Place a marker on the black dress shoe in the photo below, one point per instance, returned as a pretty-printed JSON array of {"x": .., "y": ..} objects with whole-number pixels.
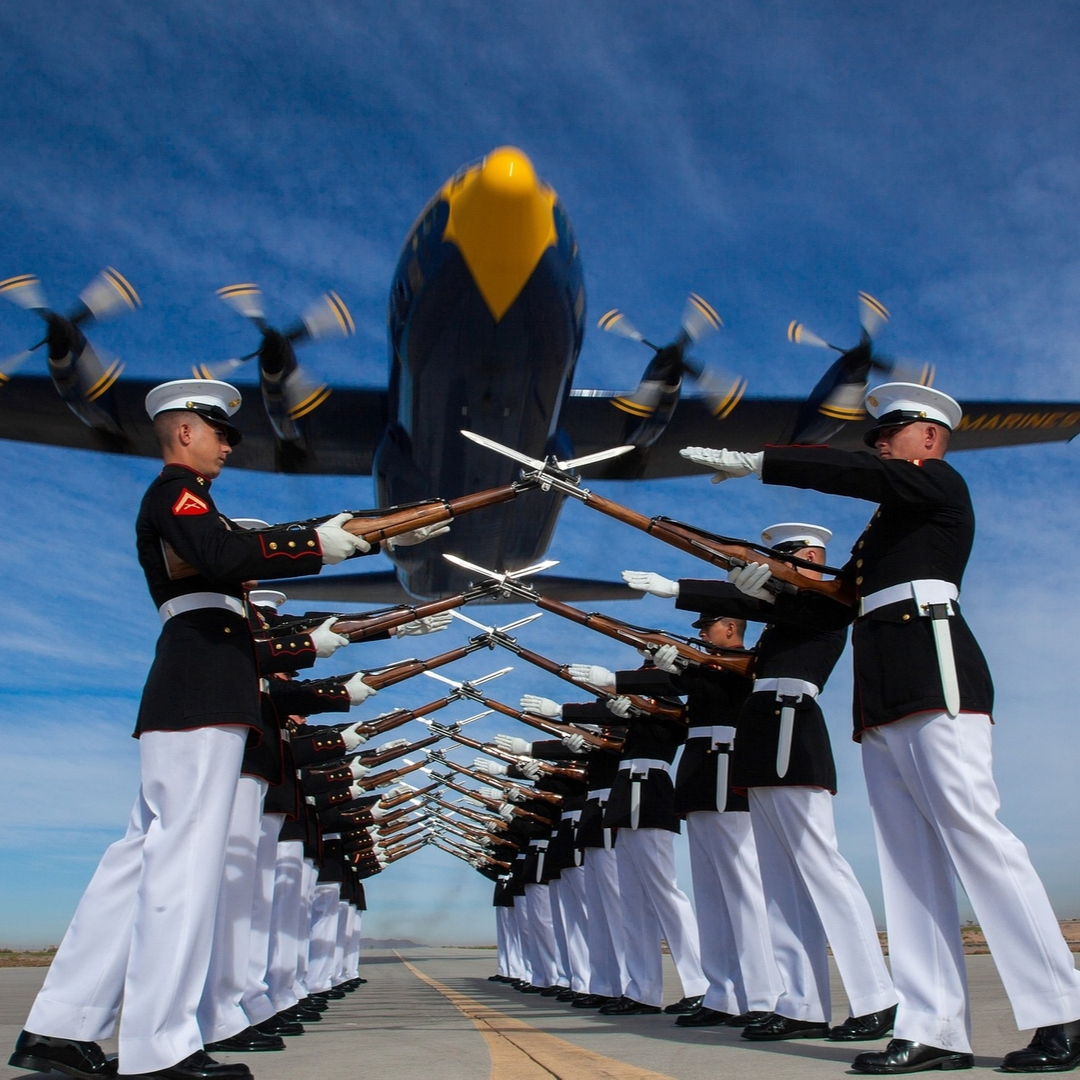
[
  {"x": 333, "y": 994},
  {"x": 685, "y": 1005},
  {"x": 313, "y": 1003},
  {"x": 528, "y": 988},
  {"x": 752, "y": 1016},
  {"x": 778, "y": 1027},
  {"x": 1052, "y": 1049},
  {"x": 44, "y": 1053},
  {"x": 875, "y": 1025},
  {"x": 304, "y": 1016},
  {"x": 590, "y": 1001},
  {"x": 905, "y": 1056},
  {"x": 248, "y": 1041},
  {"x": 552, "y": 991},
  {"x": 624, "y": 1006},
  {"x": 703, "y": 1018},
  {"x": 199, "y": 1066},
  {"x": 278, "y": 1025},
  {"x": 567, "y": 995}
]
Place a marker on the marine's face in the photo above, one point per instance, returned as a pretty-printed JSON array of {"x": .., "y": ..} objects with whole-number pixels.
[
  {"x": 209, "y": 447},
  {"x": 905, "y": 442}
]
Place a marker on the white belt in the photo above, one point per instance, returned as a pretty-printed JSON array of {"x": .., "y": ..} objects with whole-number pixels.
[
  {"x": 195, "y": 600},
  {"x": 720, "y": 733},
  {"x": 795, "y": 688},
  {"x": 600, "y": 794},
  {"x": 925, "y": 591},
  {"x": 331, "y": 836},
  {"x": 571, "y": 815},
  {"x": 643, "y": 765}
]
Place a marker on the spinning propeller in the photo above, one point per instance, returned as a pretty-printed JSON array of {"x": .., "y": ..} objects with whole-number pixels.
[
  {"x": 107, "y": 296},
  {"x": 838, "y": 397},
  {"x": 289, "y": 394},
  {"x": 661, "y": 384}
]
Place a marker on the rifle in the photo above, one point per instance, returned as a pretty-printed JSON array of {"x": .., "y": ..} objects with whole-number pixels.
[
  {"x": 738, "y": 661},
  {"x": 468, "y": 690},
  {"x": 497, "y": 781},
  {"x": 725, "y": 552},
  {"x": 491, "y": 804},
  {"x": 639, "y": 706},
  {"x": 404, "y": 796},
  {"x": 369, "y": 782},
  {"x": 402, "y": 823},
  {"x": 365, "y": 625},
  {"x": 393, "y": 842},
  {"x": 468, "y": 853},
  {"x": 486, "y": 820},
  {"x": 380, "y": 725},
  {"x": 570, "y": 772}
]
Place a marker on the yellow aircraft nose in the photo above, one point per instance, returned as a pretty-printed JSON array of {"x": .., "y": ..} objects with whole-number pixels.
[{"x": 502, "y": 221}]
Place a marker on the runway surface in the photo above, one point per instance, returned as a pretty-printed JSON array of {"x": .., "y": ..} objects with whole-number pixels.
[{"x": 432, "y": 1014}]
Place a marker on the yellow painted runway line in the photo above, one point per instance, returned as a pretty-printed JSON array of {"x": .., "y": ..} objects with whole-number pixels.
[{"x": 521, "y": 1052}]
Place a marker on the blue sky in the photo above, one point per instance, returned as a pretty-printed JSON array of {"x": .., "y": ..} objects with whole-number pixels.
[{"x": 775, "y": 157}]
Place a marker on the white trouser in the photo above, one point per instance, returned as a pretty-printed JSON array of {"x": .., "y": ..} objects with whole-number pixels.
[
  {"x": 341, "y": 946},
  {"x": 515, "y": 960},
  {"x": 308, "y": 881},
  {"x": 562, "y": 950},
  {"x": 352, "y": 952},
  {"x": 935, "y": 806},
  {"x": 569, "y": 890},
  {"x": 542, "y": 956},
  {"x": 256, "y": 1001},
  {"x": 143, "y": 930},
  {"x": 220, "y": 1013},
  {"x": 813, "y": 897},
  {"x": 284, "y": 944},
  {"x": 502, "y": 947},
  {"x": 653, "y": 905},
  {"x": 323, "y": 941},
  {"x": 736, "y": 952},
  {"x": 605, "y": 930}
]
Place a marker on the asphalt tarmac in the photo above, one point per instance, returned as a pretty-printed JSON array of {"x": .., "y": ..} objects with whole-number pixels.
[{"x": 431, "y": 1014}]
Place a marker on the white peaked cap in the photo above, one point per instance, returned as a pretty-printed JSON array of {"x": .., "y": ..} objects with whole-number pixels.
[
  {"x": 905, "y": 403},
  {"x": 267, "y": 598},
  {"x": 798, "y": 533},
  {"x": 213, "y": 400}
]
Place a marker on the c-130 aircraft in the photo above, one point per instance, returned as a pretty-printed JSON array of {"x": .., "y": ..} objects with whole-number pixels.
[{"x": 486, "y": 320}]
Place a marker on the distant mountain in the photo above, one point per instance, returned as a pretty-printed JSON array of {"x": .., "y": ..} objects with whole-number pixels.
[{"x": 389, "y": 943}]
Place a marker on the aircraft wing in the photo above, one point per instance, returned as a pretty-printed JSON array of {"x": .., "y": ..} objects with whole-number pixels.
[
  {"x": 594, "y": 423},
  {"x": 341, "y": 433}
]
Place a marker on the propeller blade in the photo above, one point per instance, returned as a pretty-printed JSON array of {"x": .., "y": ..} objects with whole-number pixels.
[
  {"x": 699, "y": 318},
  {"x": 221, "y": 368},
  {"x": 873, "y": 314},
  {"x": 302, "y": 396},
  {"x": 615, "y": 322},
  {"x": 798, "y": 334},
  {"x": 328, "y": 318},
  {"x": 245, "y": 299},
  {"x": 914, "y": 372},
  {"x": 721, "y": 391},
  {"x": 12, "y": 364},
  {"x": 24, "y": 290},
  {"x": 109, "y": 295}
]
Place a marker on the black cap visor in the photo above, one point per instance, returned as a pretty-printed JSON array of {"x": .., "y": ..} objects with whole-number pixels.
[
  {"x": 897, "y": 418},
  {"x": 216, "y": 415}
]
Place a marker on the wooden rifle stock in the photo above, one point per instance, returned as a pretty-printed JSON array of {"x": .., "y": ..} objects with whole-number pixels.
[
  {"x": 502, "y": 782},
  {"x": 492, "y": 804},
  {"x": 546, "y": 767},
  {"x": 397, "y": 800},
  {"x": 382, "y": 724},
  {"x": 403, "y": 838},
  {"x": 406, "y": 669},
  {"x": 735, "y": 660},
  {"x": 393, "y": 522},
  {"x": 598, "y": 742},
  {"x": 388, "y": 755},
  {"x": 369, "y": 782},
  {"x": 486, "y": 820}
]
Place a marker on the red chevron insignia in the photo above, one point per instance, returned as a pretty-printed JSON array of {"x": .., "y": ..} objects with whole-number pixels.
[{"x": 189, "y": 505}]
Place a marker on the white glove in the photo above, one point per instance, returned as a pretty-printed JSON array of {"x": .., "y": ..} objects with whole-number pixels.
[
  {"x": 400, "y": 788},
  {"x": 515, "y": 794},
  {"x": 324, "y": 639},
  {"x": 356, "y": 791},
  {"x": 417, "y": 536},
  {"x": 727, "y": 463},
  {"x": 665, "y": 659},
  {"x": 378, "y": 813},
  {"x": 513, "y": 745},
  {"x": 751, "y": 580},
  {"x": 382, "y": 859},
  {"x": 392, "y": 744},
  {"x": 491, "y": 768},
  {"x": 337, "y": 544},
  {"x": 620, "y": 707},
  {"x": 492, "y": 792},
  {"x": 506, "y": 812},
  {"x": 542, "y": 706},
  {"x": 358, "y": 771},
  {"x": 593, "y": 674},
  {"x": 429, "y": 624},
  {"x": 574, "y": 742},
  {"x": 358, "y": 689},
  {"x": 529, "y": 768},
  {"x": 646, "y": 581},
  {"x": 351, "y": 737}
]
